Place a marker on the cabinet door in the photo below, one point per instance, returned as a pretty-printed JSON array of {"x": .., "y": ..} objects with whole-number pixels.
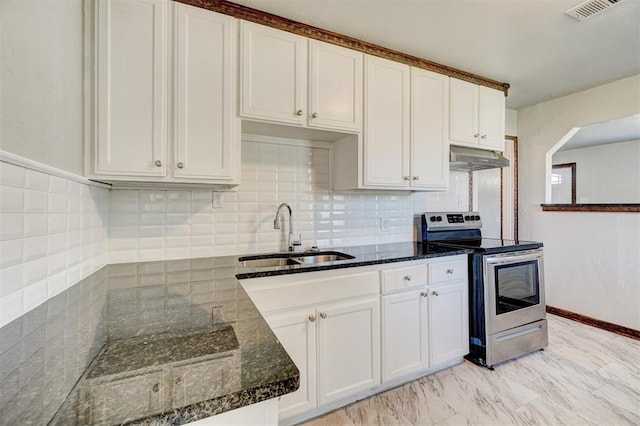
[
  {"x": 131, "y": 88},
  {"x": 463, "y": 112},
  {"x": 429, "y": 130},
  {"x": 491, "y": 119},
  {"x": 448, "y": 322},
  {"x": 348, "y": 348},
  {"x": 335, "y": 87},
  {"x": 274, "y": 74},
  {"x": 296, "y": 331},
  {"x": 404, "y": 334},
  {"x": 386, "y": 123},
  {"x": 206, "y": 138}
]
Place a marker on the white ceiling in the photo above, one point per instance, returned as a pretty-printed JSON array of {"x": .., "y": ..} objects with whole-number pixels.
[
  {"x": 531, "y": 44},
  {"x": 619, "y": 130}
]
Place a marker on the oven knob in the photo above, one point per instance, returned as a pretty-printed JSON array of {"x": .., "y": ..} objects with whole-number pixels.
[
  {"x": 439, "y": 218},
  {"x": 432, "y": 219},
  {"x": 476, "y": 217},
  {"x": 467, "y": 217}
]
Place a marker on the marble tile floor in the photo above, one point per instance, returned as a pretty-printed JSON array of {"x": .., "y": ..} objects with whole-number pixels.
[{"x": 586, "y": 376}]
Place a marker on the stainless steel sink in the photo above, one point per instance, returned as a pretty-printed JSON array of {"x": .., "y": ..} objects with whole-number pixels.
[
  {"x": 323, "y": 258},
  {"x": 281, "y": 260}
]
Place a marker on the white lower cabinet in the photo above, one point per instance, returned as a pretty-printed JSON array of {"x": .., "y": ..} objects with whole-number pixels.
[
  {"x": 348, "y": 342},
  {"x": 424, "y": 316},
  {"x": 329, "y": 324}
]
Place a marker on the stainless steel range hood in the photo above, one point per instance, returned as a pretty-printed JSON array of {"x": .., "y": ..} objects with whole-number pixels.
[{"x": 462, "y": 159}]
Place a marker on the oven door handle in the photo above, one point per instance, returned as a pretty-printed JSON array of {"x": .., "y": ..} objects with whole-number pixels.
[{"x": 520, "y": 256}]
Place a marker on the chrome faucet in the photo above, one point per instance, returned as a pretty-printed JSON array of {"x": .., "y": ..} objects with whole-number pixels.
[{"x": 276, "y": 225}]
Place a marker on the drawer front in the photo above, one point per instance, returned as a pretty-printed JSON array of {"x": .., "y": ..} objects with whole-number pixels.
[
  {"x": 441, "y": 272},
  {"x": 404, "y": 278}
]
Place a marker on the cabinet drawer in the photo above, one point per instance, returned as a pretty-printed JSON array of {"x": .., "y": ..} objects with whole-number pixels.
[
  {"x": 448, "y": 271},
  {"x": 402, "y": 278}
]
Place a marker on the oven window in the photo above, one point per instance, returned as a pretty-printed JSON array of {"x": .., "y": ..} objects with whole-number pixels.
[{"x": 517, "y": 286}]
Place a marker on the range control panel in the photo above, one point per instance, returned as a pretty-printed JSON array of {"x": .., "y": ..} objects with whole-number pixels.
[{"x": 443, "y": 221}]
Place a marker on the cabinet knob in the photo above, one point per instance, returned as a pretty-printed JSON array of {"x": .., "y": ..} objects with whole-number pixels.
[
  {"x": 323, "y": 315},
  {"x": 483, "y": 136},
  {"x": 416, "y": 178},
  {"x": 476, "y": 135},
  {"x": 180, "y": 165},
  {"x": 158, "y": 163},
  {"x": 424, "y": 294},
  {"x": 406, "y": 177},
  {"x": 299, "y": 112},
  {"x": 435, "y": 293},
  {"x": 312, "y": 318},
  {"x": 156, "y": 387},
  {"x": 314, "y": 115},
  {"x": 179, "y": 381},
  {"x": 449, "y": 271},
  {"x": 407, "y": 278}
]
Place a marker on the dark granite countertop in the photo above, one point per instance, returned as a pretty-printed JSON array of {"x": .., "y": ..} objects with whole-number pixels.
[
  {"x": 363, "y": 256},
  {"x": 162, "y": 342}
]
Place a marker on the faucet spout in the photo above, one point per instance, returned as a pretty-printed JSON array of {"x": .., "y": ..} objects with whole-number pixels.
[{"x": 276, "y": 225}]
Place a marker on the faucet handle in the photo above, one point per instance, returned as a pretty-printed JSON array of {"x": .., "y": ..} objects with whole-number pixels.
[{"x": 297, "y": 242}]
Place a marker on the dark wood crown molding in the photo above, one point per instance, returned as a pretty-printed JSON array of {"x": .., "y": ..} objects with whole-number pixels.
[
  {"x": 275, "y": 21},
  {"x": 611, "y": 208}
]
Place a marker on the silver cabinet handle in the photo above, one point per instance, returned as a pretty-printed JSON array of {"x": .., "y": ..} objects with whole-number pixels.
[
  {"x": 323, "y": 315},
  {"x": 436, "y": 293},
  {"x": 406, "y": 177},
  {"x": 476, "y": 135},
  {"x": 312, "y": 318},
  {"x": 156, "y": 387},
  {"x": 299, "y": 112},
  {"x": 416, "y": 178},
  {"x": 179, "y": 381},
  {"x": 158, "y": 163},
  {"x": 424, "y": 294},
  {"x": 180, "y": 165},
  {"x": 483, "y": 136},
  {"x": 314, "y": 115},
  {"x": 407, "y": 278},
  {"x": 450, "y": 271}
]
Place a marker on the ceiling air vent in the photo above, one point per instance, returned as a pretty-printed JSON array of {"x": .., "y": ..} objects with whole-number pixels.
[{"x": 587, "y": 9}]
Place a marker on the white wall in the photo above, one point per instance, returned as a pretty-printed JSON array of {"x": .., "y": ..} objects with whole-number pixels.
[
  {"x": 53, "y": 233},
  {"x": 605, "y": 173},
  {"x": 591, "y": 259},
  {"x": 41, "y": 81},
  {"x": 160, "y": 224}
]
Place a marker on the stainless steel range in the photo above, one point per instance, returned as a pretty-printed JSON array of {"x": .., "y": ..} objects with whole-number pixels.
[{"x": 507, "y": 311}]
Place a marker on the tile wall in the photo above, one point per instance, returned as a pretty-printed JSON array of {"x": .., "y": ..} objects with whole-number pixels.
[
  {"x": 160, "y": 224},
  {"x": 53, "y": 233}
]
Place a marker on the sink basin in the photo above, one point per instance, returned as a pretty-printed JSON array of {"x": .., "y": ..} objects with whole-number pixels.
[
  {"x": 314, "y": 258},
  {"x": 281, "y": 260},
  {"x": 270, "y": 262}
]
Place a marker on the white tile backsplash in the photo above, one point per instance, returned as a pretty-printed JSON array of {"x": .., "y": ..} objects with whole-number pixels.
[
  {"x": 158, "y": 225},
  {"x": 53, "y": 232}
]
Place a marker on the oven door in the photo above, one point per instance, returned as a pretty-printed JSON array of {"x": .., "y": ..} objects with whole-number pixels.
[{"x": 513, "y": 290}]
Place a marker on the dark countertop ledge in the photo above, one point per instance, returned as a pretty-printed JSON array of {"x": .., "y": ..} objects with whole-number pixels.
[{"x": 142, "y": 343}]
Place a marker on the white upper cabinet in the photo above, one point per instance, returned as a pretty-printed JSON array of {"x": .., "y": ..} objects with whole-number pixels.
[
  {"x": 274, "y": 74},
  {"x": 134, "y": 109},
  {"x": 279, "y": 69},
  {"x": 335, "y": 87},
  {"x": 477, "y": 116},
  {"x": 429, "y": 130},
  {"x": 405, "y": 142},
  {"x": 205, "y": 77},
  {"x": 131, "y": 88},
  {"x": 386, "y": 123}
]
